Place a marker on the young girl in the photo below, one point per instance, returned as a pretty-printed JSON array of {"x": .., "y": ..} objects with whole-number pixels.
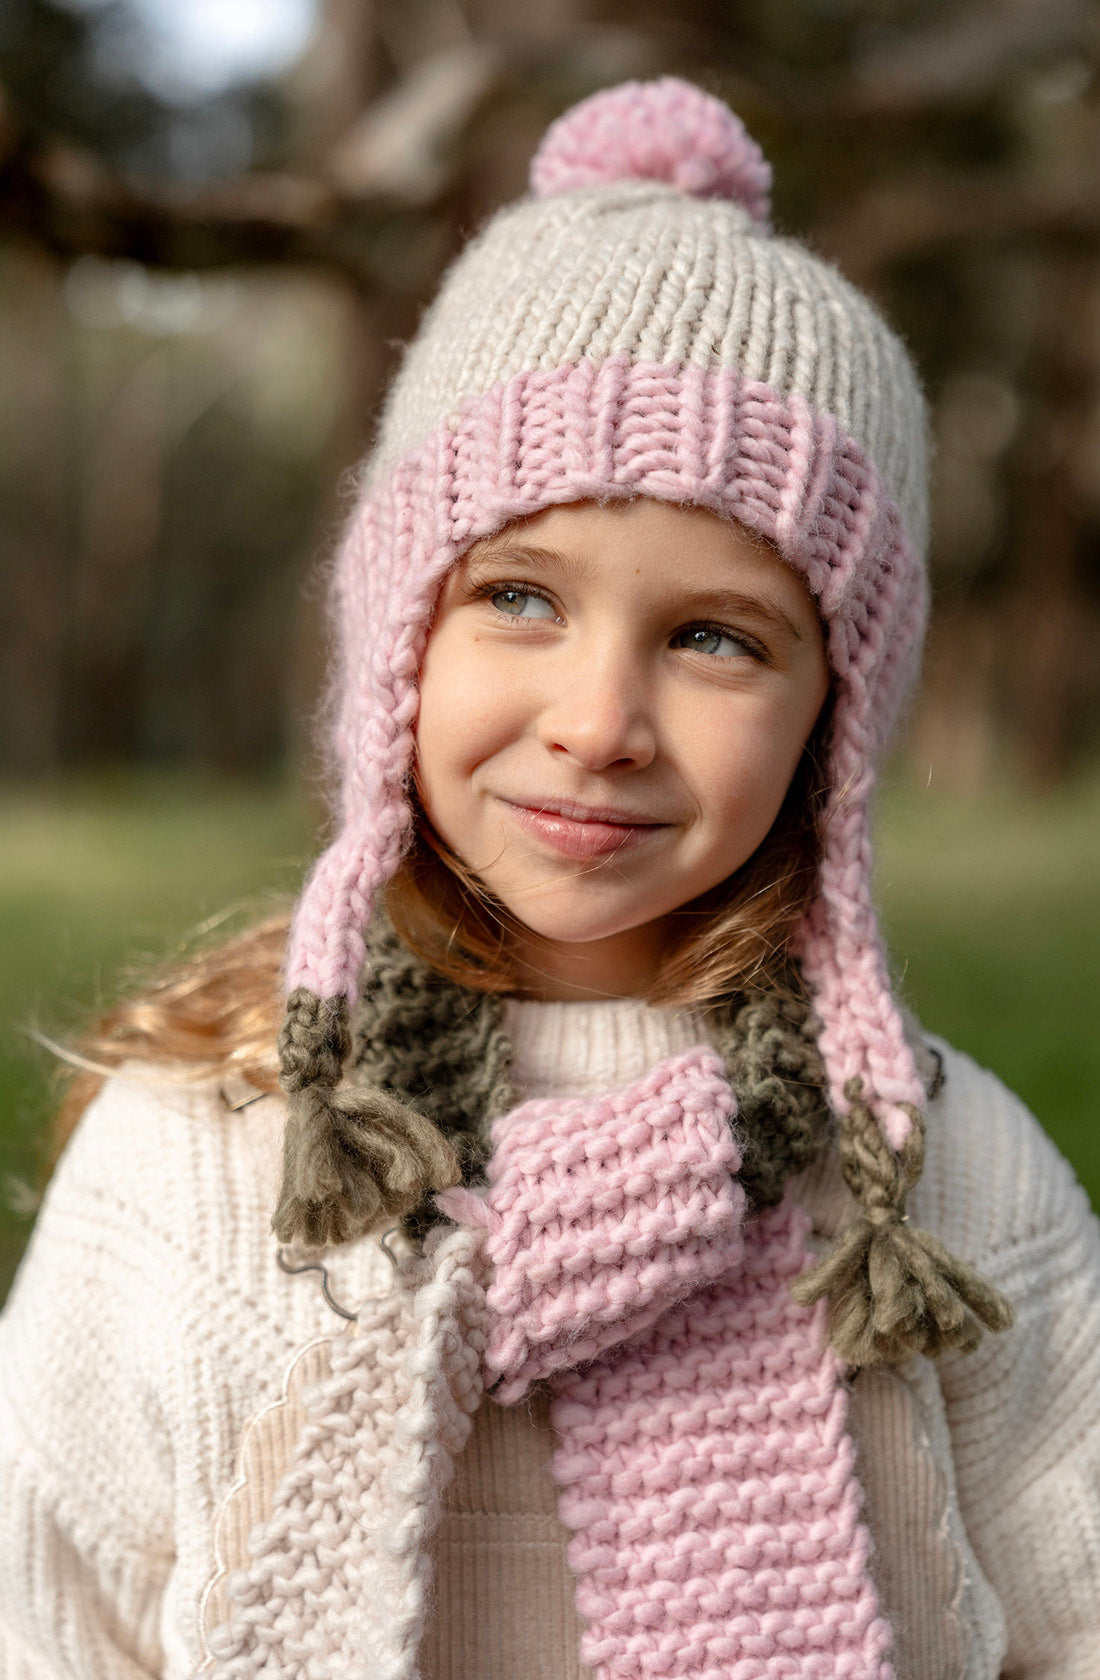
[{"x": 613, "y": 1281}]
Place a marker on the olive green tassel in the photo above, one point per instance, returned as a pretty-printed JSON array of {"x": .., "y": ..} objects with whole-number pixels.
[
  {"x": 354, "y": 1160},
  {"x": 894, "y": 1290}
]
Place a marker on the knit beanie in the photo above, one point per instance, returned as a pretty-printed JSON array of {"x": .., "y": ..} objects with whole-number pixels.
[{"x": 631, "y": 328}]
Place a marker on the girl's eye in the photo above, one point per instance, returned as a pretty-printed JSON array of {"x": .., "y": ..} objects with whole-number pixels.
[
  {"x": 516, "y": 602},
  {"x": 530, "y": 604},
  {"x": 707, "y": 638}
]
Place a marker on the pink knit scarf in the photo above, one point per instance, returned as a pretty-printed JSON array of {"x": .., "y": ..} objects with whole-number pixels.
[{"x": 703, "y": 1461}]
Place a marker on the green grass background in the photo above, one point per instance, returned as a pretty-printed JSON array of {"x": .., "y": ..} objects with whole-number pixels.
[{"x": 992, "y": 910}]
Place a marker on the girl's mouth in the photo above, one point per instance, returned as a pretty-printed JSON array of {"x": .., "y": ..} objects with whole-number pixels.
[{"x": 581, "y": 838}]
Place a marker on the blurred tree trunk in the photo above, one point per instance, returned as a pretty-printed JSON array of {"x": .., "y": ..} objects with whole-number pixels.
[
  {"x": 35, "y": 462},
  {"x": 121, "y": 482},
  {"x": 945, "y": 158},
  {"x": 1051, "y": 622}
]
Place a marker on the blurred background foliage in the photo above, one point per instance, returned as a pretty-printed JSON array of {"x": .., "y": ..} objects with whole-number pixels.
[{"x": 219, "y": 219}]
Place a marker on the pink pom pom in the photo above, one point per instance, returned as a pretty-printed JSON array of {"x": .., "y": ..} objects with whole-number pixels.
[{"x": 655, "y": 131}]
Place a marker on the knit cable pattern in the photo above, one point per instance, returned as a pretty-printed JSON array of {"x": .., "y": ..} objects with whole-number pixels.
[{"x": 340, "y": 1572}]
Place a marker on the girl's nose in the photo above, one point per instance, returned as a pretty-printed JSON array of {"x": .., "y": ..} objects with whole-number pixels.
[{"x": 600, "y": 714}]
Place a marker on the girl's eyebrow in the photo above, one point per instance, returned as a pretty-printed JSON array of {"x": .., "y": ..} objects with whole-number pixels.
[
  {"x": 732, "y": 602},
  {"x": 527, "y": 554}
]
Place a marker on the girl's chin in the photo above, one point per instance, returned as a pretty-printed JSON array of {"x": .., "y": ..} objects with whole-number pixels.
[{"x": 568, "y": 931}]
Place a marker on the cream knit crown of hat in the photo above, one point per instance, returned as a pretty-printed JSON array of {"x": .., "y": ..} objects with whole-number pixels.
[
  {"x": 633, "y": 328},
  {"x": 628, "y": 249}
]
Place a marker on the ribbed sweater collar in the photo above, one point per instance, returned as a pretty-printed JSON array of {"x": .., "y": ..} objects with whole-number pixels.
[{"x": 582, "y": 1049}]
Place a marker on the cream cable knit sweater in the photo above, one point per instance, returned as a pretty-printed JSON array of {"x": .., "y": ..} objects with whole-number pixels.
[{"x": 150, "y": 1321}]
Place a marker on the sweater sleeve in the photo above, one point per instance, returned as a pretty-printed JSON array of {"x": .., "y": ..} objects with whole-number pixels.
[
  {"x": 85, "y": 1460},
  {"x": 1024, "y": 1409}
]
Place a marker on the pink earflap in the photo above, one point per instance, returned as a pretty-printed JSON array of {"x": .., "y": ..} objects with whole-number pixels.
[{"x": 607, "y": 340}]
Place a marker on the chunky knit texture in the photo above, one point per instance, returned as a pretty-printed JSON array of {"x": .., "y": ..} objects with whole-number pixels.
[
  {"x": 419, "y": 1041},
  {"x": 678, "y": 433},
  {"x": 359, "y": 1155},
  {"x": 638, "y": 267},
  {"x": 354, "y": 1158},
  {"x": 151, "y": 1289},
  {"x": 600, "y": 1218},
  {"x": 768, "y": 1042},
  {"x": 711, "y": 1486},
  {"x": 703, "y": 1459},
  {"x": 603, "y": 1215},
  {"x": 368, "y": 1471},
  {"x": 634, "y": 329},
  {"x": 425, "y": 1040}
]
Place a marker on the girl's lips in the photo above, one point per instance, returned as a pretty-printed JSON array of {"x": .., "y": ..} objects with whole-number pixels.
[{"x": 581, "y": 840}]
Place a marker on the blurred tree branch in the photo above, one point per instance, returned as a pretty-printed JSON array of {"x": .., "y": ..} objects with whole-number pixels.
[
  {"x": 65, "y": 199},
  {"x": 965, "y": 54},
  {"x": 945, "y": 159},
  {"x": 913, "y": 216},
  {"x": 401, "y": 154}
]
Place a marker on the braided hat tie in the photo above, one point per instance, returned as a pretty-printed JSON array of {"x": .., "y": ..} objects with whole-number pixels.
[{"x": 735, "y": 372}]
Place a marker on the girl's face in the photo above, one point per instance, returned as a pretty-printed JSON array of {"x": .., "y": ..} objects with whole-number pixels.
[{"x": 613, "y": 701}]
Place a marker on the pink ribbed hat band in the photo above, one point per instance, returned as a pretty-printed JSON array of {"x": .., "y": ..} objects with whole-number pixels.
[
  {"x": 634, "y": 328},
  {"x": 675, "y": 433}
]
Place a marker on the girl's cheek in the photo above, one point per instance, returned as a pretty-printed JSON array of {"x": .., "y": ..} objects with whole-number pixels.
[
  {"x": 750, "y": 755},
  {"x": 466, "y": 715}
]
